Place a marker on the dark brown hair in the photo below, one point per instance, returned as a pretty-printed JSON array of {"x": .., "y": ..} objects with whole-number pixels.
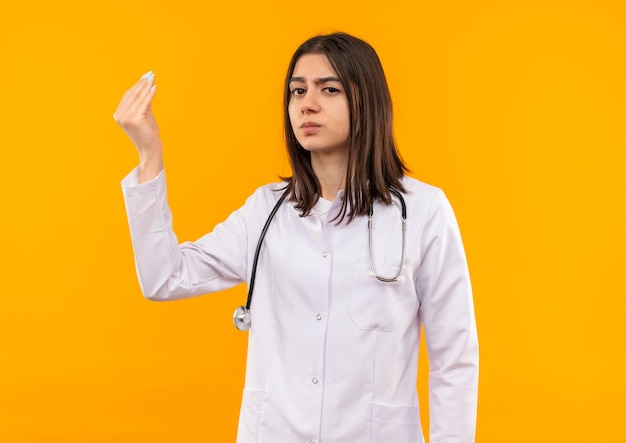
[{"x": 374, "y": 163}]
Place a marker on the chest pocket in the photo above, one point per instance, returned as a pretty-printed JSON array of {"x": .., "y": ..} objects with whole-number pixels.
[{"x": 375, "y": 305}]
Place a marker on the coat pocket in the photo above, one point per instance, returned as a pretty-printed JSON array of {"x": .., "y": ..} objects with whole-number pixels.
[
  {"x": 375, "y": 305},
  {"x": 396, "y": 423}
]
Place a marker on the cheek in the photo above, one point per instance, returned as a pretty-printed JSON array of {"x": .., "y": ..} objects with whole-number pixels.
[
  {"x": 292, "y": 115},
  {"x": 345, "y": 117},
  {"x": 346, "y": 124},
  {"x": 345, "y": 133}
]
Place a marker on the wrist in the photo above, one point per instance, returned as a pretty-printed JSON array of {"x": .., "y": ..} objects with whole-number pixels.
[{"x": 150, "y": 165}]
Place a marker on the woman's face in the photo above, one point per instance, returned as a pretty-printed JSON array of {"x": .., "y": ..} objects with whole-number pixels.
[{"x": 318, "y": 108}]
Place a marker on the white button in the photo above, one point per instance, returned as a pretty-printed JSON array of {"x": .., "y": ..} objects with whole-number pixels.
[
  {"x": 324, "y": 254},
  {"x": 315, "y": 380},
  {"x": 318, "y": 316}
]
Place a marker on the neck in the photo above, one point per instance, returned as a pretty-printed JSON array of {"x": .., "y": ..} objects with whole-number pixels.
[{"x": 330, "y": 170}]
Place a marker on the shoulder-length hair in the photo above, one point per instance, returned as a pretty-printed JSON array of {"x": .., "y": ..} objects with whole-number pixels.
[{"x": 374, "y": 163}]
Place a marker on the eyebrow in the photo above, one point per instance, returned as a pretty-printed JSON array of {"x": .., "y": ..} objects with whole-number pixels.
[{"x": 317, "y": 80}]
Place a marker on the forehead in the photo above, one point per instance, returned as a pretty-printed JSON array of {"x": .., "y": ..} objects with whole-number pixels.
[{"x": 313, "y": 66}]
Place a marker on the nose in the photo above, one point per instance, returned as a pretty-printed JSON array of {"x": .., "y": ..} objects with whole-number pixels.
[{"x": 309, "y": 103}]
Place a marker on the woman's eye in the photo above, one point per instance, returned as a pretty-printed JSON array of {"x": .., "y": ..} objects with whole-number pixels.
[
  {"x": 332, "y": 90},
  {"x": 298, "y": 91}
]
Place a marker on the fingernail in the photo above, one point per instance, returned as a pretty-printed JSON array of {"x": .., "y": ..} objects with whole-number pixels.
[
  {"x": 150, "y": 78},
  {"x": 153, "y": 88},
  {"x": 146, "y": 75}
]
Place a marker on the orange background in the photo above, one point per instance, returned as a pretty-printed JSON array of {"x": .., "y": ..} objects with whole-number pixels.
[{"x": 514, "y": 108}]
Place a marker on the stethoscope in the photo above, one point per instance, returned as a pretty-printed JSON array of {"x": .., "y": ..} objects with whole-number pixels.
[{"x": 241, "y": 317}]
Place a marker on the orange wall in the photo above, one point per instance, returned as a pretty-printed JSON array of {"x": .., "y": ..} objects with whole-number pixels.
[{"x": 515, "y": 108}]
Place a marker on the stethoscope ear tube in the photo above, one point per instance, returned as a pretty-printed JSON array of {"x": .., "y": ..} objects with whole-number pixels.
[{"x": 241, "y": 317}]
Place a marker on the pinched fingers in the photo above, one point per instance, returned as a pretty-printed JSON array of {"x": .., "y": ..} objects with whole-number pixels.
[
  {"x": 134, "y": 115},
  {"x": 135, "y": 104}
]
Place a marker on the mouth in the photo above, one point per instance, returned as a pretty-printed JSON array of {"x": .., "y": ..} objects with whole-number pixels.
[{"x": 309, "y": 128}]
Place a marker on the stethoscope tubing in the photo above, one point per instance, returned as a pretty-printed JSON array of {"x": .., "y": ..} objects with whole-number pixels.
[
  {"x": 370, "y": 227},
  {"x": 241, "y": 317},
  {"x": 255, "y": 261}
]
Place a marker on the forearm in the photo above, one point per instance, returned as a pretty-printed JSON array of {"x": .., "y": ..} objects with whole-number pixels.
[{"x": 155, "y": 246}]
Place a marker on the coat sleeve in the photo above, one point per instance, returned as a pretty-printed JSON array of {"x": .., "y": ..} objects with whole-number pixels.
[
  {"x": 167, "y": 270},
  {"x": 447, "y": 311}
]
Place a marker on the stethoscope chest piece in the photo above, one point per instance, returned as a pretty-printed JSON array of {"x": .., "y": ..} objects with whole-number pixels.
[{"x": 241, "y": 318}]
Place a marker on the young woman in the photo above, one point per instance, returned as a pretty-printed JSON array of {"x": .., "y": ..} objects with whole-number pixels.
[{"x": 344, "y": 283}]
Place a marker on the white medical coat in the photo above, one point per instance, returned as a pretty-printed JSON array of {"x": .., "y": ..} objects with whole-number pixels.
[{"x": 332, "y": 352}]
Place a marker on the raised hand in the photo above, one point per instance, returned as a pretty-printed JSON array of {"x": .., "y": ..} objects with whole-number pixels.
[{"x": 134, "y": 115}]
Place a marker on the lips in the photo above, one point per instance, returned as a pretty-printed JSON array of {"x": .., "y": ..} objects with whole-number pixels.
[{"x": 309, "y": 128}]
